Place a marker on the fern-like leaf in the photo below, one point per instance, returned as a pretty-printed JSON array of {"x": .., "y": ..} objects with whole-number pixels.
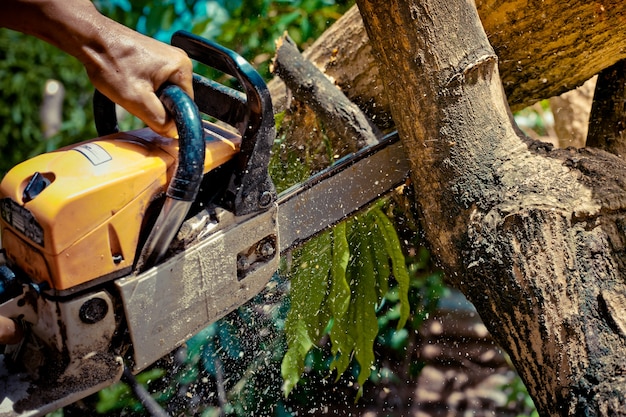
[
  {"x": 398, "y": 263},
  {"x": 305, "y": 320}
]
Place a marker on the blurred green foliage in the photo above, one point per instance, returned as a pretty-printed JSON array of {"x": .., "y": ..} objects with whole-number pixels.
[
  {"x": 537, "y": 121},
  {"x": 248, "y": 27},
  {"x": 254, "y": 25},
  {"x": 26, "y": 64},
  {"x": 120, "y": 396}
]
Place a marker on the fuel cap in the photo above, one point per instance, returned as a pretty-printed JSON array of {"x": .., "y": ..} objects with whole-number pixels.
[{"x": 34, "y": 187}]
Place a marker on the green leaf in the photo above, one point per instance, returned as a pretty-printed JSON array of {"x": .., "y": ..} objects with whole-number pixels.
[
  {"x": 114, "y": 397},
  {"x": 399, "y": 338},
  {"x": 381, "y": 258},
  {"x": 307, "y": 317},
  {"x": 310, "y": 283},
  {"x": 209, "y": 356},
  {"x": 287, "y": 19},
  {"x": 398, "y": 264},
  {"x": 150, "y": 375},
  {"x": 195, "y": 344},
  {"x": 339, "y": 297},
  {"x": 365, "y": 326},
  {"x": 299, "y": 344},
  {"x": 120, "y": 395},
  {"x": 342, "y": 343}
]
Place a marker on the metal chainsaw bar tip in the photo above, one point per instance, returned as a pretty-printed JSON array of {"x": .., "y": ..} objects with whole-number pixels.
[{"x": 335, "y": 193}]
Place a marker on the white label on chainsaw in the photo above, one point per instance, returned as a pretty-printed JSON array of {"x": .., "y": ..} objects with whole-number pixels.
[{"x": 94, "y": 152}]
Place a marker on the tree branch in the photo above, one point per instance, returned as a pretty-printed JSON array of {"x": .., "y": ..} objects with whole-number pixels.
[
  {"x": 539, "y": 47},
  {"x": 342, "y": 118}
]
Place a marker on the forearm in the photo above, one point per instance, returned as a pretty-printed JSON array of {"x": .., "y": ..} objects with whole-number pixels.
[
  {"x": 74, "y": 26},
  {"x": 126, "y": 66}
]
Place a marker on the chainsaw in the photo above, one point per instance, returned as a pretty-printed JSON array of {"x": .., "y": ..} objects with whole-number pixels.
[{"x": 117, "y": 250}]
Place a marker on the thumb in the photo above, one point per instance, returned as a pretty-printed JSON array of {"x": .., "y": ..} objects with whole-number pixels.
[{"x": 157, "y": 118}]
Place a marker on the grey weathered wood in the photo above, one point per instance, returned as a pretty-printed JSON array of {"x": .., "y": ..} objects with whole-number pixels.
[{"x": 341, "y": 118}]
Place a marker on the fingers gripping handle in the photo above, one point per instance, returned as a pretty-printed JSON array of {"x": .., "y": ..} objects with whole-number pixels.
[{"x": 191, "y": 150}]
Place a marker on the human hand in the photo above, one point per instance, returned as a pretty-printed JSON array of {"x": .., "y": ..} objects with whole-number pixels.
[
  {"x": 124, "y": 65},
  {"x": 131, "y": 69}
]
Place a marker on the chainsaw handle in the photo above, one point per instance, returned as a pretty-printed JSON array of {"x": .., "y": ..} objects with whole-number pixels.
[
  {"x": 251, "y": 188},
  {"x": 104, "y": 114},
  {"x": 185, "y": 183},
  {"x": 191, "y": 149},
  {"x": 212, "y": 98},
  {"x": 246, "y": 113}
]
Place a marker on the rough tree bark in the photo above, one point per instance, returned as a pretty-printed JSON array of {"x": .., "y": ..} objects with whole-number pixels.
[
  {"x": 534, "y": 237},
  {"x": 544, "y": 48},
  {"x": 341, "y": 117},
  {"x": 607, "y": 128}
]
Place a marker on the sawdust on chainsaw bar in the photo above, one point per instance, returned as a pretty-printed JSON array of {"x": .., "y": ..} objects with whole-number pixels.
[{"x": 93, "y": 370}]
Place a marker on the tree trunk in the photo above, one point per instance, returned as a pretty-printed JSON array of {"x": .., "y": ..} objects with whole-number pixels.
[
  {"x": 534, "y": 237},
  {"x": 544, "y": 49}
]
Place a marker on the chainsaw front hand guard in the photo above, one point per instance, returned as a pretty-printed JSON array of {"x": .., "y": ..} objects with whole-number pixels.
[
  {"x": 250, "y": 189},
  {"x": 185, "y": 184}
]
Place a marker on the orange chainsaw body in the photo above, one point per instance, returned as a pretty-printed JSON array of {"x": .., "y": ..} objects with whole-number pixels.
[{"x": 81, "y": 217}]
